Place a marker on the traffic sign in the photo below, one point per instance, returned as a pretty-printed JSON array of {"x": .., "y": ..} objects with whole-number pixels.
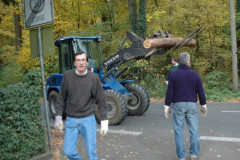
[{"x": 37, "y": 13}]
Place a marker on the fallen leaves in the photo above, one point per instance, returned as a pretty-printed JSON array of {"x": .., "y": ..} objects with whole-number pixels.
[
  {"x": 57, "y": 137},
  {"x": 56, "y": 153},
  {"x": 57, "y": 142}
]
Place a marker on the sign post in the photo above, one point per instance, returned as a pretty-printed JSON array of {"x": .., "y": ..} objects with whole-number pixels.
[
  {"x": 44, "y": 87},
  {"x": 36, "y": 14}
]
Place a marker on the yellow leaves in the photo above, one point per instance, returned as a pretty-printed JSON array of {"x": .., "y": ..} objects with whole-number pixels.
[
  {"x": 142, "y": 64},
  {"x": 155, "y": 16},
  {"x": 7, "y": 34},
  {"x": 25, "y": 58},
  {"x": 8, "y": 52}
]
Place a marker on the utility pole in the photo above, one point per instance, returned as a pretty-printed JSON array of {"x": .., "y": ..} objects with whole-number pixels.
[{"x": 234, "y": 48}]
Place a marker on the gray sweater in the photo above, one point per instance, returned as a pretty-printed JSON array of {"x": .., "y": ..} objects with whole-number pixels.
[{"x": 79, "y": 94}]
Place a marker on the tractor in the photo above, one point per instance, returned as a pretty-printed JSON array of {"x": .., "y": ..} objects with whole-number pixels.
[{"x": 123, "y": 98}]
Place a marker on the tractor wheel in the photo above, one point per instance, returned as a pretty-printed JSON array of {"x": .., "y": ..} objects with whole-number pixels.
[
  {"x": 117, "y": 107},
  {"x": 139, "y": 101},
  {"x": 52, "y": 102}
]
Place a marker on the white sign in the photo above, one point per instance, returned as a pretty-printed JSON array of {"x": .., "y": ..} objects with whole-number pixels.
[{"x": 37, "y": 12}]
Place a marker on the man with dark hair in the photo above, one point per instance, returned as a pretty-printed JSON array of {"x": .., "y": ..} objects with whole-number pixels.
[
  {"x": 80, "y": 91},
  {"x": 172, "y": 68},
  {"x": 184, "y": 86}
]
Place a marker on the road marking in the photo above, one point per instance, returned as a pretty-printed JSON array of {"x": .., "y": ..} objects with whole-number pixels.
[
  {"x": 232, "y": 111},
  {"x": 123, "y": 132},
  {"x": 227, "y": 139}
]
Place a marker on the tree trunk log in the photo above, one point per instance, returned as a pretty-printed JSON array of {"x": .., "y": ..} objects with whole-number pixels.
[{"x": 166, "y": 42}]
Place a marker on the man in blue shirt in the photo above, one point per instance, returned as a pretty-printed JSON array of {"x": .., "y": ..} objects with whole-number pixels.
[{"x": 183, "y": 87}]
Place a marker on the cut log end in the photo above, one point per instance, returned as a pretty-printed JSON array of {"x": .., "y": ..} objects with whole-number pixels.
[{"x": 147, "y": 43}]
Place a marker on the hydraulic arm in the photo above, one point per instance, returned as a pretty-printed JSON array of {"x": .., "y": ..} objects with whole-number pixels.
[{"x": 158, "y": 43}]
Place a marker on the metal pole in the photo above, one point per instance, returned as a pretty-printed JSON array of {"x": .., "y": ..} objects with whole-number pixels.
[
  {"x": 44, "y": 87},
  {"x": 234, "y": 47}
]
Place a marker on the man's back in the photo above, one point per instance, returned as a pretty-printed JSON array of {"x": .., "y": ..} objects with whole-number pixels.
[{"x": 184, "y": 85}]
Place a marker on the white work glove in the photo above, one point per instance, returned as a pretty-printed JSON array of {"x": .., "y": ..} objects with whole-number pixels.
[
  {"x": 104, "y": 127},
  {"x": 58, "y": 123},
  {"x": 167, "y": 110},
  {"x": 203, "y": 110},
  {"x": 166, "y": 82}
]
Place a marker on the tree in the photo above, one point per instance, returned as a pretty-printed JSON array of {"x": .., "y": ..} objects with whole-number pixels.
[
  {"x": 17, "y": 22},
  {"x": 132, "y": 8},
  {"x": 138, "y": 22},
  {"x": 142, "y": 20}
]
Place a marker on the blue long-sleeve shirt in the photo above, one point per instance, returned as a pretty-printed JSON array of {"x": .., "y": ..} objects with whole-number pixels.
[{"x": 184, "y": 85}]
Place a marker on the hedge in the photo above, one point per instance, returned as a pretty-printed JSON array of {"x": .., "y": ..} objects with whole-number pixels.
[{"x": 22, "y": 135}]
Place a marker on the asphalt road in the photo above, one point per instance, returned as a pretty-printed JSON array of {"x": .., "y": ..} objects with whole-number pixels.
[{"x": 151, "y": 137}]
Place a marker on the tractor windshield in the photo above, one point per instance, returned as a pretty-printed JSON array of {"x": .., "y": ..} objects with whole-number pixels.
[{"x": 91, "y": 47}]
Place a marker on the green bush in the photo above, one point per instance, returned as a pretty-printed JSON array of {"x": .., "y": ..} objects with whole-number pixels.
[
  {"x": 22, "y": 135},
  {"x": 217, "y": 87},
  {"x": 146, "y": 74},
  {"x": 157, "y": 88},
  {"x": 33, "y": 78}
]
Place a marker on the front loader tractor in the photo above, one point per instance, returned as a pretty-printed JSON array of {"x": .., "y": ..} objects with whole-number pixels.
[{"x": 125, "y": 97}]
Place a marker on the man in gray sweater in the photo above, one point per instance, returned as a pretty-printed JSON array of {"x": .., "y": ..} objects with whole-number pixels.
[{"x": 80, "y": 91}]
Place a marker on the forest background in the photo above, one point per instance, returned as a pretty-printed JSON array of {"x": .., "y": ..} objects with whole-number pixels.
[{"x": 110, "y": 19}]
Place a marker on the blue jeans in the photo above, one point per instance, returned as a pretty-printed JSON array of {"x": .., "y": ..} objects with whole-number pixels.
[
  {"x": 87, "y": 127},
  {"x": 188, "y": 111}
]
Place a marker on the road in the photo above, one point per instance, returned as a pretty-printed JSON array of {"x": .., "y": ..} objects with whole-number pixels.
[{"x": 151, "y": 137}]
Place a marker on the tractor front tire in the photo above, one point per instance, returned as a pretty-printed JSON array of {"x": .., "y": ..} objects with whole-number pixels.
[
  {"x": 139, "y": 101},
  {"x": 117, "y": 107},
  {"x": 52, "y": 102}
]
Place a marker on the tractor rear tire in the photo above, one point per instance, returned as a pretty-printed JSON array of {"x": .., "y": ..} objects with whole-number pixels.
[
  {"x": 52, "y": 103},
  {"x": 138, "y": 104},
  {"x": 117, "y": 107}
]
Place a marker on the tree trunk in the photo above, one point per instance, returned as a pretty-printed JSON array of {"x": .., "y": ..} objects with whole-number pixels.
[
  {"x": 156, "y": 4},
  {"x": 132, "y": 9},
  {"x": 106, "y": 16},
  {"x": 166, "y": 42},
  {"x": 112, "y": 13},
  {"x": 78, "y": 16},
  {"x": 18, "y": 31},
  {"x": 142, "y": 19}
]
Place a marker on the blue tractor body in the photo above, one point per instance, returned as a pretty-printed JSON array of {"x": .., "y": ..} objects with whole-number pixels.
[{"x": 67, "y": 47}]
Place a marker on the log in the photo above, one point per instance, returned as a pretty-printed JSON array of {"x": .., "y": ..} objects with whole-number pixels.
[{"x": 166, "y": 42}]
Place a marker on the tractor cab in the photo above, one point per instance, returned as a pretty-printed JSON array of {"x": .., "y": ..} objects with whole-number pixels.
[{"x": 69, "y": 46}]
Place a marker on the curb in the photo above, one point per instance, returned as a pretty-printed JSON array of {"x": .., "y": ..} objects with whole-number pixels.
[{"x": 44, "y": 156}]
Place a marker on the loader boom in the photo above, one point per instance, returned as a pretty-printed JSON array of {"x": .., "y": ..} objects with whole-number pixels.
[{"x": 163, "y": 42}]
